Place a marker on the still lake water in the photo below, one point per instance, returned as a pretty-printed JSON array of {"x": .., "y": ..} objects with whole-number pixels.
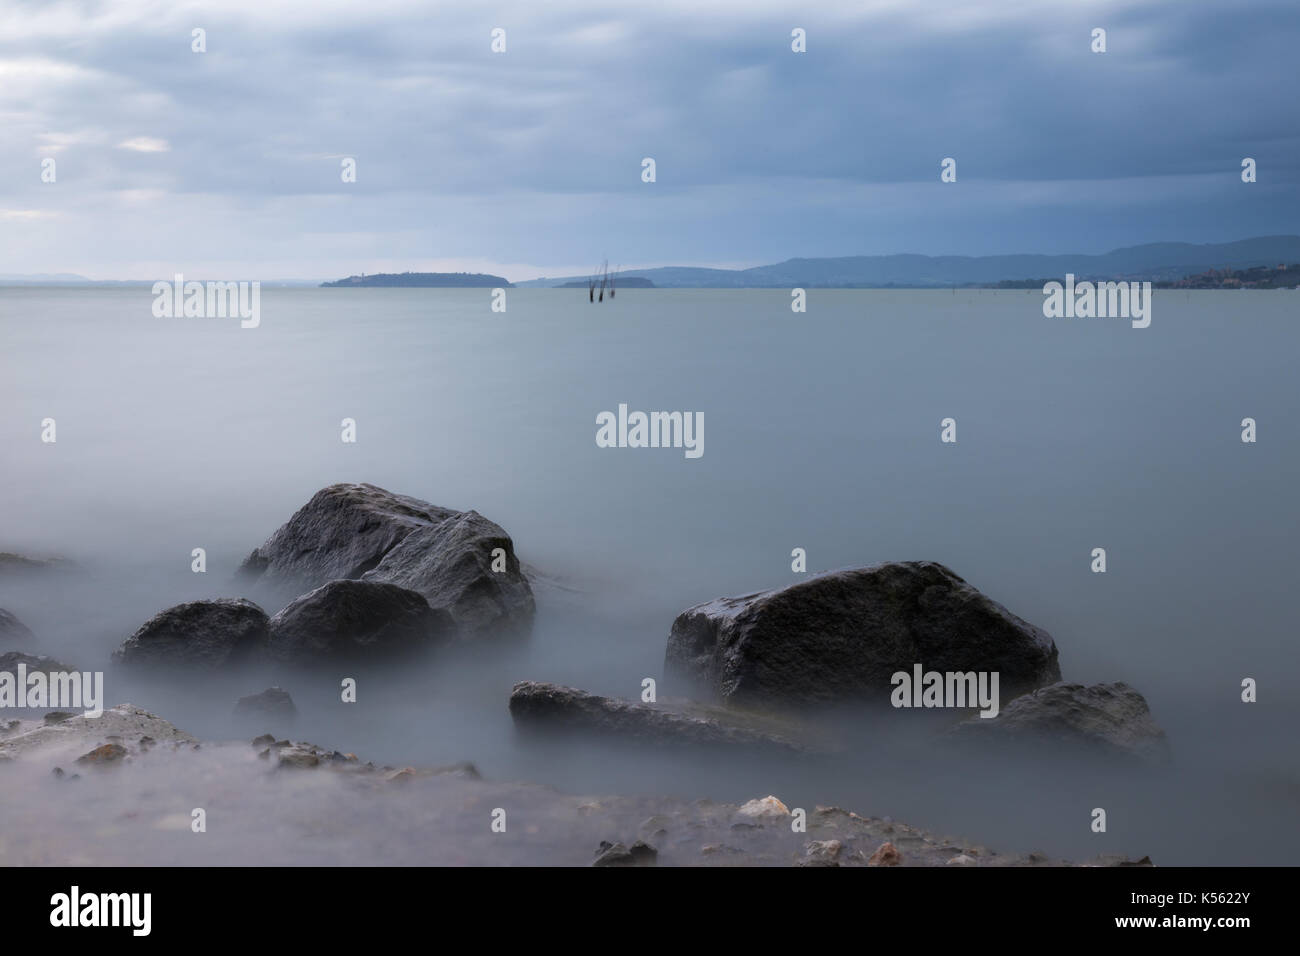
[{"x": 821, "y": 432}]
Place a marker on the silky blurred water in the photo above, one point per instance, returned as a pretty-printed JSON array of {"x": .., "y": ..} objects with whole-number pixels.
[{"x": 821, "y": 432}]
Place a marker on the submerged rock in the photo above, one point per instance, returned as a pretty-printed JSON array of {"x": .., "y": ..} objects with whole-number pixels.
[
  {"x": 840, "y": 636},
  {"x": 1111, "y": 719},
  {"x": 451, "y": 564},
  {"x": 10, "y": 562},
  {"x": 204, "y": 635},
  {"x": 639, "y": 853},
  {"x": 274, "y": 703},
  {"x": 12, "y": 629},
  {"x": 348, "y": 531},
  {"x": 538, "y": 705},
  {"x": 356, "y": 621}
]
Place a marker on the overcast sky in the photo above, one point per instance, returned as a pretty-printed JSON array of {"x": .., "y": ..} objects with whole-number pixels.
[{"x": 226, "y": 164}]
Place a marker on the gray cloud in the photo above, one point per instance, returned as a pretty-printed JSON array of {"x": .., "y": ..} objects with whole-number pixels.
[{"x": 529, "y": 161}]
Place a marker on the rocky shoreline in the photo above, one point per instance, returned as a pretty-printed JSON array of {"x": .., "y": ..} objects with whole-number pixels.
[
  {"x": 383, "y": 579},
  {"x": 446, "y": 813}
]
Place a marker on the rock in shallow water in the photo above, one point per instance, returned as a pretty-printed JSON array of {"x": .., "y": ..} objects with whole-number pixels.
[
  {"x": 342, "y": 532},
  {"x": 272, "y": 703},
  {"x": 536, "y": 705},
  {"x": 451, "y": 565},
  {"x": 25, "y": 564},
  {"x": 350, "y": 530},
  {"x": 1109, "y": 719},
  {"x": 200, "y": 635},
  {"x": 639, "y": 853},
  {"x": 838, "y": 637},
  {"x": 357, "y": 621}
]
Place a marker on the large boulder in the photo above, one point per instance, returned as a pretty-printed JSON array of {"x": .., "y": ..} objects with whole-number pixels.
[
  {"x": 12, "y": 629},
  {"x": 202, "y": 635},
  {"x": 540, "y": 706},
  {"x": 1109, "y": 719},
  {"x": 350, "y": 531},
  {"x": 343, "y": 532},
  {"x": 838, "y": 637},
  {"x": 451, "y": 564},
  {"x": 356, "y": 621}
]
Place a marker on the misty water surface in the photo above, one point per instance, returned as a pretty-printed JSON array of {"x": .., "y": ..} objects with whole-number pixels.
[{"x": 821, "y": 432}]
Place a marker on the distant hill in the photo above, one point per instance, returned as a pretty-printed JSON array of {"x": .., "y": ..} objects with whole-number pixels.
[
  {"x": 422, "y": 280},
  {"x": 54, "y": 278},
  {"x": 1159, "y": 261}
]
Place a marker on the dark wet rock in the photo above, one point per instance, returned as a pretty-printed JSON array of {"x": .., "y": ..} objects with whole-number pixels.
[
  {"x": 840, "y": 636},
  {"x": 58, "y": 716},
  {"x": 536, "y": 705},
  {"x": 639, "y": 853},
  {"x": 451, "y": 563},
  {"x": 34, "y": 662},
  {"x": 348, "y": 531},
  {"x": 12, "y": 629},
  {"x": 357, "y": 621},
  {"x": 200, "y": 635},
  {"x": 341, "y": 533},
  {"x": 1109, "y": 719},
  {"x": 274, "y": 703}
]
